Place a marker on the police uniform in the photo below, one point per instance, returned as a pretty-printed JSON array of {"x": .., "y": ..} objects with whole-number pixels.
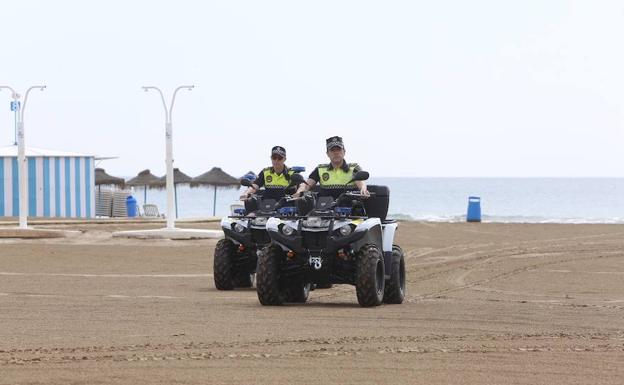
[
  {"x": 335, "y": 181},
  {"x": 274, "y": 183}
]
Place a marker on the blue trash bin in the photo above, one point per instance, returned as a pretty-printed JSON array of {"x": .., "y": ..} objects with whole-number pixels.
[
  {"x": 131, "y": 206},
  {"x": 474, "y": 209}
]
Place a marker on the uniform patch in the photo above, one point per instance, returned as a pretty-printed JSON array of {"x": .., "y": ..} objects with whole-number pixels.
[
  {"x": 269, "y": 178},
  {"x": 325, "y": 176}
]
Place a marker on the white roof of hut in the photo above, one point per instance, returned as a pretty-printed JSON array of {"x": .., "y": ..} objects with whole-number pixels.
[{"x": 33, "y": 151}]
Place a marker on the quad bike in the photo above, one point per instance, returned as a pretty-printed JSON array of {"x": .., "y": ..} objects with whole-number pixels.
[
  {"x": 340, "y": 241},
  {"x": 236, "y": 255}
]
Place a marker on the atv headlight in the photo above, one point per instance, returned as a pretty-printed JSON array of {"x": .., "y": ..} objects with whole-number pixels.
[
  {"x": 345, "y": 230},
  {"x": 239, "y": 228},
  {"x": 287, "y": 230}
]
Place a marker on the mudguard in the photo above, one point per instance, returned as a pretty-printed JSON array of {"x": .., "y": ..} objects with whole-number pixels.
[
  {"x": 388, "y": 240},
  {"x": 371, "y": 230},
  {"x": 227, "y": 225},
  {"x": 388, "y": 236},
  {"x": 283, "y": 241}
]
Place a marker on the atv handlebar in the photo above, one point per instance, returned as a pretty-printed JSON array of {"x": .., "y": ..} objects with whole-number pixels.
[{"x": 357, "y": 194}]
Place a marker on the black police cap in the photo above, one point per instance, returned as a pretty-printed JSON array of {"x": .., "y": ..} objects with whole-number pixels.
[
  {"x": 278, "y": 150},
  {"x": 334, "y": 141}
]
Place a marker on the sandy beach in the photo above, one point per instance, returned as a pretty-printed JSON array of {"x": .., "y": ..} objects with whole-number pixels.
[{"x": 486, "y": 304}]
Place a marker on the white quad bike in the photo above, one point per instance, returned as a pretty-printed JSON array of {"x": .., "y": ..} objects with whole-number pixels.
[
  {"x": 235, "y": 256},
  {"x": 340, "y": 241}
]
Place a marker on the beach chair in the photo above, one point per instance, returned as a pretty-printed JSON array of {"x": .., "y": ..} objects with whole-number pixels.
[
  {"x": 104, "y": 203},
  {"x": 150, "y": 211}
]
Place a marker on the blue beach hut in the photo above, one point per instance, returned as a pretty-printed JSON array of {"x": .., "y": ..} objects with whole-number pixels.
[{"x": 60, "y": 183}]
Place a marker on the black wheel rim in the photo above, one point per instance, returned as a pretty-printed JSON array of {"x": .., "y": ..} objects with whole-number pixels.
[
  {"x": 379, "y": 275},
  {"x": 402, "y": 275}
]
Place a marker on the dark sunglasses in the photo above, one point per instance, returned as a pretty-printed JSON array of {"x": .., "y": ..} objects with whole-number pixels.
[{"x": 277, "y": 157}]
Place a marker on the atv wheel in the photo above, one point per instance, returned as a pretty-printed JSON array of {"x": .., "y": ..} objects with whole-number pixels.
[
  {"x": 299, "y": 293},
  {"x": 268, "y": 276},
  {"x": 222, "y": 268},
  {"x": 370, "y": 279},
  {"x": 395, "y": 286}
]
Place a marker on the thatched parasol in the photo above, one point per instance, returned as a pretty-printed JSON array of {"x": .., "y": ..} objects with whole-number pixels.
[
  {"x": 178, "y": 178},
  {"x": 102, "y": 178},
  {"x": 216, "y": 178},
  {"x": 146, "y": 179}
]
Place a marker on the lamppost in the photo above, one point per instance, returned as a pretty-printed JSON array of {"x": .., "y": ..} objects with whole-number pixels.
[
  {"x": 21, "y": 153},
  {"x": 169, "y": 151}
]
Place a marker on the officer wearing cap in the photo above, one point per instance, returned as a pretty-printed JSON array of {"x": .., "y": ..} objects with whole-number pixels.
[
  {"x": 335, "y": 176},
  {"x": 275, "y": 179}
]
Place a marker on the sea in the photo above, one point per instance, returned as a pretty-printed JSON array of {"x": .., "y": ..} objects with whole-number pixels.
[{"x": 503, "y": 200}]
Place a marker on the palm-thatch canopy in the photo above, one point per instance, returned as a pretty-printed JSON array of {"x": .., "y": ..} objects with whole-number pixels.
[
  {"x": 102, "y": 178},
  {"x": 215, "y": 177},
  {"x": 178, "y": 178},
  {"x": 144, "y": 178}
]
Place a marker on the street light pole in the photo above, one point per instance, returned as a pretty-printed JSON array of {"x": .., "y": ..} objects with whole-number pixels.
[
  {"x": 21, "y": 154},
  {"x": 169, "y": 151}
]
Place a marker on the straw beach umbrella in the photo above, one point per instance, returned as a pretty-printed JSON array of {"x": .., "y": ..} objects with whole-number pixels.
[
  {"x": 216, "y": 178},
  {"x": 102, "y": 178},
  {"x": 178, "y": 178},
  {"x": 146, "y": 179}
]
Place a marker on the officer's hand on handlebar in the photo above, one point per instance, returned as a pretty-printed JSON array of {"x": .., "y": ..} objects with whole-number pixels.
[
  {"x": 248, "y": 193},
  {"x": 364, "y": 191}
]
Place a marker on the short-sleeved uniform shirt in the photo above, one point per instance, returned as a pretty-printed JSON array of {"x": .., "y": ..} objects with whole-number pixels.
[
  {"x": 274, "y": 183},
  {"x": 334, "y": 181}
]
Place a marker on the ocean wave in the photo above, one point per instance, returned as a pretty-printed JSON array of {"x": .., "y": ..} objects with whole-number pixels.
[
  {"x": 427, "y": 218},
  {"x": 503, "y": 219}
]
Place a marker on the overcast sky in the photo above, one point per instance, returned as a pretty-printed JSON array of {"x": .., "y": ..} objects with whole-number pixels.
[{"x": 415, "y": 88}]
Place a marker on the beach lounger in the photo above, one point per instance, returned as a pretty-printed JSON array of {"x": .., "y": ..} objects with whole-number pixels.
[
  {"x": 150, "y": 211},
  {"x": 120, "y": 208}
]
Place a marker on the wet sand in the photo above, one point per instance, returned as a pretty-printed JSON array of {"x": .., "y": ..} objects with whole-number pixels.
[{"x": 486, "y": 304}]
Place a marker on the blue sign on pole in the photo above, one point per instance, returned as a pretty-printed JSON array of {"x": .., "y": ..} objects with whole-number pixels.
[{"x": 15, "y": 106}]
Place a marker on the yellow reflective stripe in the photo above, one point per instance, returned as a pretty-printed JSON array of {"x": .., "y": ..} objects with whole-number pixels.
[
  {"x": 336, "y": 177},
  {"x": 272, "y": 179}
]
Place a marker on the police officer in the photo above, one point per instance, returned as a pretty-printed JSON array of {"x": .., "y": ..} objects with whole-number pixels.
[
  {"x": 275, "y": 179},
  {"x": 334, "y": 177}
]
